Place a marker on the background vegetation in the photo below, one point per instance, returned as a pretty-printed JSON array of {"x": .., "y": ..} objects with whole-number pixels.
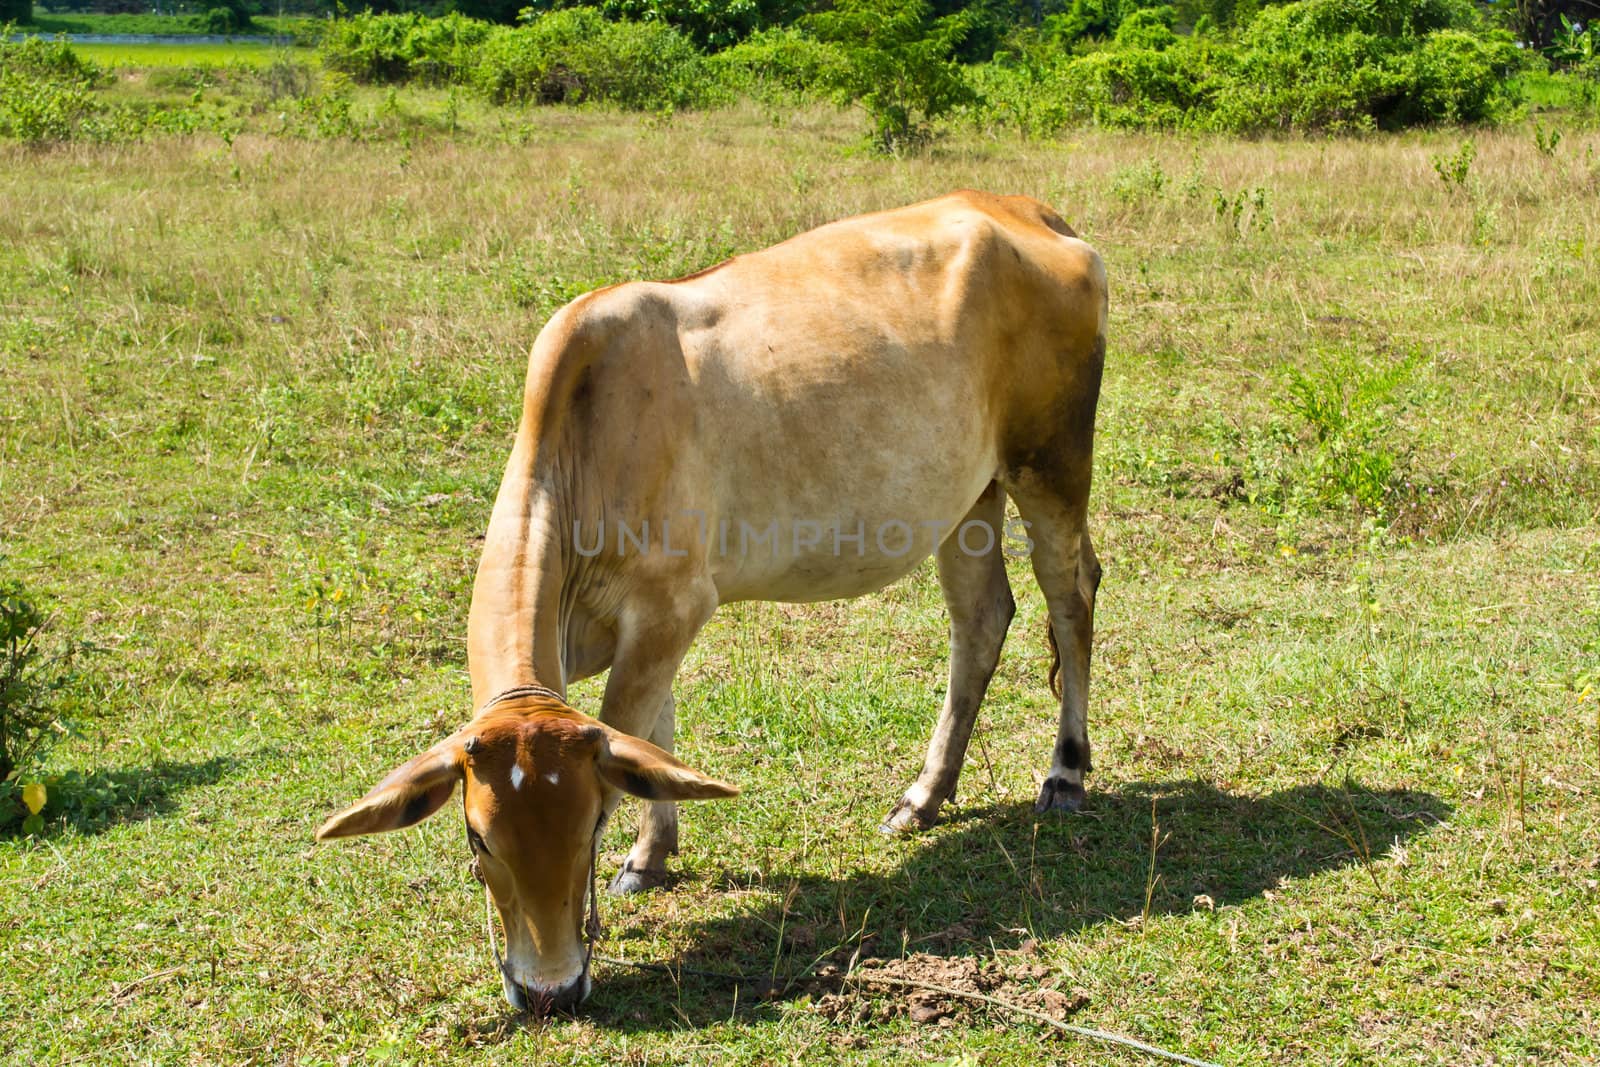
[
  {"x": 264, "y": 313},
  {"x": 259, "y": 390},
  {"x": 1221, "y": 65}
]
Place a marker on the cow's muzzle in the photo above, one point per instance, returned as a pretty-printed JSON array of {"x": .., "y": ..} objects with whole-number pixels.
[{"x": 542, "y": 1000}]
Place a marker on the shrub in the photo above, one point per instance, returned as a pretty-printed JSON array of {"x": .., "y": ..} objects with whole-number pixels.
[
  {"x": 44, "y": 89},
  {"x": 899, "y": 64},
  {"x": 1149, "y": 27},
  {"x": 32, "y": 684},
  {"x": 783, "y": 59},
  {"x": 398, "y": 48},
  {"x": 1141, "y": 87},
  {"x": 223, "y": 21},
  {"x": 575, "y": 55},
  {"x": 1455, "y": 77},
  {"x": 712, "y": 24},
  {"x": 1093, "y": 18},
  {"x": 1020, "y": 93},
  {"x": 1333, "y": 64},
  {"x": 1349, "y": 406},
  {"x": 1313, "y": 65}
]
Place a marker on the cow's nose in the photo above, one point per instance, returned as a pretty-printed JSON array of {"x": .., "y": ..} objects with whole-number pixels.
[{"x": 542, "y": 1000}]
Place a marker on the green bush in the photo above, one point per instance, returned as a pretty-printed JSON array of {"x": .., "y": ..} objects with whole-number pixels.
[
  {"x": 1338, "y": 64},
  {"x": 785, "y": 59},
  {"x": 32, "y": 685},
  {"x": 399, "y": 48},
  {"x": 1313, "y": 65},
  {"x": 898, "y": 63},
  {"x": 568, "y": 56},
  {"x": 1094, "y": 18},
  {"x": 711, "y": 24},
  {"x": 44, "y": 89},
  {"x": 1309, "y": 65},
  {"x": 225, "y": 20},
  {"x": 1142, "y": 87},
  {"x": 1349, "y": 407},
  {"x": 1455, "y": 77},
  {"x": 1149, "y": 28},
  {"x": 575, "y": 56}
]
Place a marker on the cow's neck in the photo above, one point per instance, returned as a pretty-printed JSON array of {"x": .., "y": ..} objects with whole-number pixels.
[{"x": 519, "y": 605}]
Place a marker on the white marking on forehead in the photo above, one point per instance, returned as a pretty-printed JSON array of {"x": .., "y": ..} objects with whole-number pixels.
[
  {"x": 554, "y": 777},
  {"x": 516, "y": 776}
]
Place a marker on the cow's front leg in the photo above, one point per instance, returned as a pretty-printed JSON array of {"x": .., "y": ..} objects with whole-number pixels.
[
  {"x": 653, "y": 637},
  {"x": 646, "y": 865}
]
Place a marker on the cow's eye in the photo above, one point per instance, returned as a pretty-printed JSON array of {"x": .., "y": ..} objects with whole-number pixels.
[{"x": 475, "y": 839}]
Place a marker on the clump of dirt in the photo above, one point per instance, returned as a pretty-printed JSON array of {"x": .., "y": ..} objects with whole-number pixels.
[{"x": 926, "y": 989}]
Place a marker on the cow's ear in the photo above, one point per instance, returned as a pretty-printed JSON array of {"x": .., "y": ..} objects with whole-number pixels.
[
  {"x": 640, "y": 768},
  {"x": 414, "y": 791}
]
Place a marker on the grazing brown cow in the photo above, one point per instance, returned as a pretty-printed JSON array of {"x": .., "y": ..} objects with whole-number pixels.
[{"x": 803, "y": 423}]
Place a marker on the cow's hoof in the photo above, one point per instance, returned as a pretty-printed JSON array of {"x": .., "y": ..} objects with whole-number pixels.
[
  {"x": 1059, "y": 794},
  {"x": 907, "y": 818},
  {"x": 631, "y": 880}
]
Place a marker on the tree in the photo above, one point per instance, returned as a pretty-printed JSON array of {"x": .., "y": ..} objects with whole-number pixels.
[
  {"x": 900, "y": 65},
  {"x": 1542, "y": 22},
  {"x": 228, "y": 17},
  {"x": 16, "y": 11}
]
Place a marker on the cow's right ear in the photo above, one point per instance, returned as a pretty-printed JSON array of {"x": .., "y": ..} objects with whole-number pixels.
[
  {"x": 638, "y": 767},
  {"x": 414, "y": 791}
]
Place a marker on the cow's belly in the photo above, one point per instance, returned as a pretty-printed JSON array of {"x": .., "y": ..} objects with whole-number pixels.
[
  {"x": 837, "y": 496},
  {"x": 801, "y": 557}
]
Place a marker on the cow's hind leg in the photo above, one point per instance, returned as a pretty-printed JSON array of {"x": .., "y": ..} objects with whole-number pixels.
[
  {"x": 1069, "y": 575},
  {"x": 972, "y": 572}
]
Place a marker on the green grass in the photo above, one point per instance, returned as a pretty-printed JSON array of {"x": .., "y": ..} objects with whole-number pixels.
[
  {"x": 1369, "y": 734},
  {"x": 146, "y": 56},
  {"x": 1546, "y": 91}
]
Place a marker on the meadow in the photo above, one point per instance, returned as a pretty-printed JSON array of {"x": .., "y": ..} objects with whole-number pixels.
[
  {"x": 138, "y": 58},
  {"x": 257, "y": 395}
]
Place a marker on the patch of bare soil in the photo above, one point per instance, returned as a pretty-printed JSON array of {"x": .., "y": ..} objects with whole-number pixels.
[{"x": 927, "y": 990}]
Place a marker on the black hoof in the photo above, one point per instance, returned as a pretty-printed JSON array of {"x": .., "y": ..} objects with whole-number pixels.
[
  {"x": 629, "y": 881},
  {"x": 1059, "y": 794},
  {"x": 905, "y": 819}
]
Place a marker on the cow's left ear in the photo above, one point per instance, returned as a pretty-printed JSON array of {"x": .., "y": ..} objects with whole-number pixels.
[
  {"x": 640, "y": 768},
  {"x": 412, "y": 792}
]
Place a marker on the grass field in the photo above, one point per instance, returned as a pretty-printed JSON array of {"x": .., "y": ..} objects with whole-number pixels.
[
  {"x": 145, "y": 56},
  {"x": 1346, "y": 703}
]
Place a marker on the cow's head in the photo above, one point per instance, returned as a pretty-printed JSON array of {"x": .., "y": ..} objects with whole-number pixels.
[{"x": 539, "y": 780}]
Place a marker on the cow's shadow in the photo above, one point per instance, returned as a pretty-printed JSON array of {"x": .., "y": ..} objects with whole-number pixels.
[{"x": 991, "y": 877}]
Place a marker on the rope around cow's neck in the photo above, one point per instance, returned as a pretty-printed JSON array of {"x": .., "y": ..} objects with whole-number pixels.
[{"x": 530, "y": 689}]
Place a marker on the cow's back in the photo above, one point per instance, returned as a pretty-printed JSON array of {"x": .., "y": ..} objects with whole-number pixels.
[{"x": 877, "y": 371}]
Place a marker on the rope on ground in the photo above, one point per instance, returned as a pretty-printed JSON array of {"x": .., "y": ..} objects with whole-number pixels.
[{"x": 869, "y": 979}]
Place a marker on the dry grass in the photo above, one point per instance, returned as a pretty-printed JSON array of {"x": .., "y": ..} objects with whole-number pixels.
[{"x": 234, "y": 372}]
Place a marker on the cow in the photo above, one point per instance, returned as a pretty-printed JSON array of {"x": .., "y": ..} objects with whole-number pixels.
[{"x": 803, "y": 423}]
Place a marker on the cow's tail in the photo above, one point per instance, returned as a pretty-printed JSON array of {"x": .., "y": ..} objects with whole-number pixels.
[{"x": 1055, "y": 658}]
